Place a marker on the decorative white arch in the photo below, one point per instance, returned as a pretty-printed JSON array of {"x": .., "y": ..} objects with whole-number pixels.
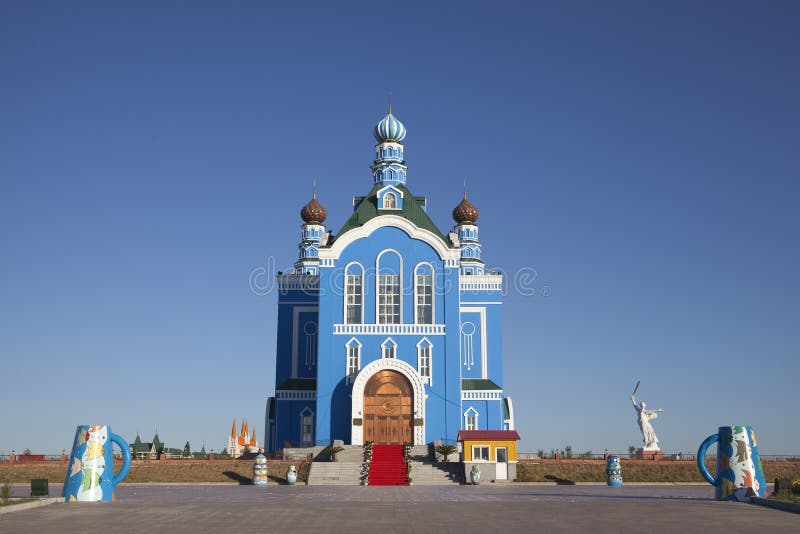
[
  {"x": 510, "y": 419},
  {"x": 396, "y": 221},
  {"x": 392, "y": 364}
]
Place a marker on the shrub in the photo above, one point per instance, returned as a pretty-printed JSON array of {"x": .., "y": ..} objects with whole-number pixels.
[
  {"x": 332, "y": 450},
  {"x": 446, "y": 450}
]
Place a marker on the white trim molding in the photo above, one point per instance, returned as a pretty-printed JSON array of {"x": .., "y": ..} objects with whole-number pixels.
[
  {"x": 391, "y": 364},
  {"x": 450, "y": 255},
  {"x": 288, "y": 282},
  {"x": 480, "y": 282},
  {"x": 482, "y": 395},
  {"x": 484, "y": 343},
  {"x": 389, "y": 329},
  {"x": 510, "y": 419}
]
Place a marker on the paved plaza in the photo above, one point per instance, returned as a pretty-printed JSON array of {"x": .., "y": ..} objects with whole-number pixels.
[{"x": 485, "y": 508}]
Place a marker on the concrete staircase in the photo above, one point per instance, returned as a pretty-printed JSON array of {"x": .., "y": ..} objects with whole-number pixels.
[
  {"x": 346, "y": 470},
  {"x": 388, "y": 466},
  {"x": 335, "y": 474},
  {"x": 428, "y": 473},
  {"x": 351, "y": 453}
]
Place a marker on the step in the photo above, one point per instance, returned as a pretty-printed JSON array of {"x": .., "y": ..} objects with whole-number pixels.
[
  {"x": 335, "y": 473},
  {"x": 388, "y": 466},
  {"x": 435, "y": 474}
]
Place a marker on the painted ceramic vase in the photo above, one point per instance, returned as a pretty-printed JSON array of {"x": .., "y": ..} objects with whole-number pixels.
[
  {"x": 90, "y": 472},
  {"x": 739, "y": 472},
  {"x": 291, "y": 475},
  {"x": 613, "y": 471},
  {"x": 260, "y": 470},
  {"x": 475, "y": 475}
]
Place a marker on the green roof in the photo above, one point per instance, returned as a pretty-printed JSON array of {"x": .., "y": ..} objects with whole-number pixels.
[
  {"x": 302, "y": 384},
  {"x": 478, "y": 384},
  {"x": 141, "y": 447},
  {"x": 367, "y": 208}
]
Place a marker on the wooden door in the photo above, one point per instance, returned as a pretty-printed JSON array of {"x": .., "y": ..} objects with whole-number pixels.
[{"x": 388, "y": 408}]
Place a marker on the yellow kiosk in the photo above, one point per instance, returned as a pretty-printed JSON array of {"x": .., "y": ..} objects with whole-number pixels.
[{"x": 493, "y": 451}]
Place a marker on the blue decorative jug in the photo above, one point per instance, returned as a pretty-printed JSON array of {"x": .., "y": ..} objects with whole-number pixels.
[
  {"x": 613, "y": 471},
  {"x": 739, "y": 472},
  {"x": 90, "y": 472},
  {"x": 260, "y": 470}
]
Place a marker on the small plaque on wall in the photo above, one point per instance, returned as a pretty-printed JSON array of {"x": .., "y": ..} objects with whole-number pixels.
[
  {"x": 357, "y": 422},
  {"x": 419, "y": 421}
]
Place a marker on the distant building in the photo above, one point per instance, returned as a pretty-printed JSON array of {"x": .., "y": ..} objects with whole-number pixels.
[
  {"x": 141, "y": 450},
  {"x": 237, "y": 444}
]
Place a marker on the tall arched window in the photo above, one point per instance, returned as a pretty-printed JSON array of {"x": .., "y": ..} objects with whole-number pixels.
[
  {"x": 353, "y": 356},
  {"x": 389, "y": 201},
  {"x": 471, "y": 419},
  {"x": 389, "y": 348},
  {"x": 389, "y": 267},
  {"x": 423, "y": 294},
  {"x": 354, "y": 294},
  {"x": 424, "y": 359},
  {"x": 307, "y": 427}
]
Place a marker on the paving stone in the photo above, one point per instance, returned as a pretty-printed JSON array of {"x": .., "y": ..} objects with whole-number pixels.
[{"x": 484, "y": 508}]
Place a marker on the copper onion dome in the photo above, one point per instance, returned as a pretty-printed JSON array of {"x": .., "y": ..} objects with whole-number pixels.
[
  {"x": 314, "y": 212},
  {"x": 465, "y": 212}
]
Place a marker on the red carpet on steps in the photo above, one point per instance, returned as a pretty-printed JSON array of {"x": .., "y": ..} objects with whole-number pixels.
[{"x": 388, "y": 467}]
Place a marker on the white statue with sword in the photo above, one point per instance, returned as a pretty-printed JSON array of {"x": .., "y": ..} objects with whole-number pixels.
[{"x": 644, "y": 415}]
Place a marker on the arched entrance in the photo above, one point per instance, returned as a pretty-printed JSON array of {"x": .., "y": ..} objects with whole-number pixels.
[{"x": 388, "y": 408}]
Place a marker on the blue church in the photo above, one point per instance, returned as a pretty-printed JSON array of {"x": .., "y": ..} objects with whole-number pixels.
[{"x": 389, "y": 329}]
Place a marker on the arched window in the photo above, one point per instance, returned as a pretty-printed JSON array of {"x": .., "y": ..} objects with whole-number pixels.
[
  {"x": 307, "y": 427},
  {"x": 424, "y": 360},
  {"x": 353, "y": 359},
  {"x": 354, "y": 294},
  {"x": 471, "y": 419},
  {"x": 423, "y": 294},
  {"x": 389, "y": 267},
  {"x": 389, "y": 348},
  {"x": 389, "y": 201}
]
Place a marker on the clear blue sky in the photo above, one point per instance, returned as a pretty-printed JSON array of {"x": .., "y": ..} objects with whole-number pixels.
[{"x": 643, "y": 157}]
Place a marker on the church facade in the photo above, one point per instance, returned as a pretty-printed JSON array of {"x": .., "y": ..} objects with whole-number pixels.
[{"x": 389, "y": 329}]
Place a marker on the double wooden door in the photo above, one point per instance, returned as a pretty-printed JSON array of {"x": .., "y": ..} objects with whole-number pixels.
[{"x": 388, "y": 408}]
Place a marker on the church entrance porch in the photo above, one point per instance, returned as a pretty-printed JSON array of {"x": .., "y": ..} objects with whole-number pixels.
[
  {"x": 388, "y": 408},
  {"x": 388, "y": 404}
]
